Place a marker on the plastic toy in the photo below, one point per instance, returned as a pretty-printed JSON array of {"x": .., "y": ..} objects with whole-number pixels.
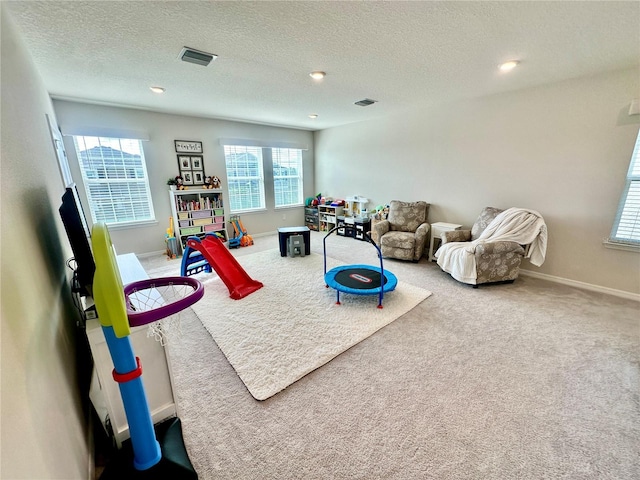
[
  {"x": 116, "y": 314},
  {"x": 234, "y": 242},
  {"x": 241, "y": 238},
  {"x": 239, "y": 283},
  {"x": 359, "y": 279},
  {"x": 192, "y": 260},
  {"x": 246, "y": 239},
  {"x": 171, "y": 242}
]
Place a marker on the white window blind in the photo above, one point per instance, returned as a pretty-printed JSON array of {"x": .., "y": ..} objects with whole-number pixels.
[
  {"x": 115, "y": 179},
  {"x": 245, "y": 178},
  {"x": 626, "y": 228},
  {"x": 287, "y": 176}
]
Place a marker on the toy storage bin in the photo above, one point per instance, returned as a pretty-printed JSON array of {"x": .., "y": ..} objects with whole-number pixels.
[
  {"x": 183, "y": 215},
  {"x": 202, "y": 221},
  {"x": 218, "y": 211},
  {"x": 219, "y": 219},
  {"x": 190, "y": 231},
  {"x": 200, "y": 213},
  {"x": 184, "y": 223},
  {"x": 213, "y": 227}
]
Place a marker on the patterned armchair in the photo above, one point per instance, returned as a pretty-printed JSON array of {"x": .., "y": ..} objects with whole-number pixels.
[
  {"x": 403, "y": 234},
  {"x": 496, "y": 261}
]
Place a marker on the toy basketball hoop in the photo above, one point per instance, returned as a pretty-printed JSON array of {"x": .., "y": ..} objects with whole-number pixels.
[{"x": 151, "y": 300}]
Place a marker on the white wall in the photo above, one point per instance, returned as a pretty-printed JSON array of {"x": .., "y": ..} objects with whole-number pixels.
[
  {"x": 162, "y": 163},
  {"x": 562, "y": 150},
  {"x": 44, "y": 431}
]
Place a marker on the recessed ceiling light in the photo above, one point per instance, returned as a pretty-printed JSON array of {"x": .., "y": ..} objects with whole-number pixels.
[
  {"x": 317, "y": 75},
  {"x": 157, "y": 89},
  {"x": 508, "y": 66},
  {"x": 313, "y": 115}
]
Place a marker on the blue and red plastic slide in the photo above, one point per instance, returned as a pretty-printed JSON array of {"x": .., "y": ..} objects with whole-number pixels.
[{"x": 239, "y": 283}]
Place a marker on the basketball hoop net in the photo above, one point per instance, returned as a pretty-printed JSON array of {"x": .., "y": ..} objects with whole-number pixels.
[{"x": 158, "y": 302}]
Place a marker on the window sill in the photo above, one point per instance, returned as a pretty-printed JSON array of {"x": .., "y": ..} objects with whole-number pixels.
[
  {"x": 630, "y": 247},
  {"x": 297, "y": 205},
  {"x": 247, "y": 212},
  {"x": 125, "y": 226}
]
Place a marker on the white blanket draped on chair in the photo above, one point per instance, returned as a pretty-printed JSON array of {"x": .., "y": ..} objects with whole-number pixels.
[{"x": 520, "y": 225}]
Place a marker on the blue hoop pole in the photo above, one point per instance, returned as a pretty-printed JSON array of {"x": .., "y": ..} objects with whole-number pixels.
[{"x": 146, "y": 449}]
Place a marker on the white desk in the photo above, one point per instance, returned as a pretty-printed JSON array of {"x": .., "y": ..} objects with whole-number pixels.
[
  {"x": 438, "y": 229},
  {"x": 104, "y": 391}
]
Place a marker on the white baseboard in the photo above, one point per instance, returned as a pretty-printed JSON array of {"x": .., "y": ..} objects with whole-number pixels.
[
  {"x": 151, "y": 254},
  {"x": 544, "y": 276},
  {"x": 162, "y": 252},
  {"x": 583, "y": 285},
  {"x": 264, "y": 234}
]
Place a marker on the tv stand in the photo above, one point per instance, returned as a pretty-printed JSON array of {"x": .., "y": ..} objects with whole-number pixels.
[{"x": 104, "y": 391}]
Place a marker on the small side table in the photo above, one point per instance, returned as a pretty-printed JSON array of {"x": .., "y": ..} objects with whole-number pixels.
[
  {"x": 285, "y": 232},
  {"x": 438, "y": 229}
]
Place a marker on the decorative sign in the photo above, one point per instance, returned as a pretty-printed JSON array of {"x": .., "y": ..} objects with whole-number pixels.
[{"x": 183, "y": 146}]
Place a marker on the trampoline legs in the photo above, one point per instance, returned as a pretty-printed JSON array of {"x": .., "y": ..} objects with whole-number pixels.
[{"x": 338, "y": 297}]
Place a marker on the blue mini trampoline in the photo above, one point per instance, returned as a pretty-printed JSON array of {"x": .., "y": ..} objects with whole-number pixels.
[{"x": 359, "y": 279}]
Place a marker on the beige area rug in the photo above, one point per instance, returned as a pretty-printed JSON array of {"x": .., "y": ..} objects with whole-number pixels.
[{"x": 292, "y": 325}]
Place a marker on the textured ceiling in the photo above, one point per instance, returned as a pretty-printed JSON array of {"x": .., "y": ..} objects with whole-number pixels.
[{"x": 403, "y": 54}]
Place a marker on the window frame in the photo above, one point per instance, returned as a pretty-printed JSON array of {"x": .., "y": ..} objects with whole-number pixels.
[
  {"x": 247, "y": 150},
  {"x": 628, "y": 211},
  {"x": 299, "y": 178},
  {"x": 140, "y": 180}
]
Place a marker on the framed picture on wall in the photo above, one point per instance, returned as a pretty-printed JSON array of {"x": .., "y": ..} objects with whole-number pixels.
[
  {"x": 187, "y": 177},
  {"x": 191, "y": 169},
  {"x": 196, "y": 163},
  {"x": 184, "y": 162},
  {"x": 184, "y": 146}
]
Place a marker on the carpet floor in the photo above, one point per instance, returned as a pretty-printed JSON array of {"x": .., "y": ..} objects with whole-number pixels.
[{"x": 531, "y": 380}]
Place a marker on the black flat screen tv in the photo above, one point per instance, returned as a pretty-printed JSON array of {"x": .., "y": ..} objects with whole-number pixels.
[{"x": 75, "y": 224}]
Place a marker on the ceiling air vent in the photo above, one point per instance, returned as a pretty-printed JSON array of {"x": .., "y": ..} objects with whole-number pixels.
[
  {"x": 198, "y": 57},
  {"x": 366, "y": 102}
]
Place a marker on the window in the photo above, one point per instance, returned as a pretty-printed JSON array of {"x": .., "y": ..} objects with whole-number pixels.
[
  {"x": 245, "y": 178},
  {"x": 626, "y": 228},
  {"x": 115, "y": 179},
  {"x": 287, "y": 176}
]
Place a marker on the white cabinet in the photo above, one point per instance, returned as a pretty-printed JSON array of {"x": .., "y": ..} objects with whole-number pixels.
[
  {"x": 156, "y": 377},
  {"x": 197, "y": 212},
  {"x": 438, "y": 229},
  {"x": 328, "y": 216}
]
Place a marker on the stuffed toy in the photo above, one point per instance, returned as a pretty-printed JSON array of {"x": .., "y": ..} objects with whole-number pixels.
[
  {"x": 212, "y": 182},
  {"x": 180, "y": 183}
]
